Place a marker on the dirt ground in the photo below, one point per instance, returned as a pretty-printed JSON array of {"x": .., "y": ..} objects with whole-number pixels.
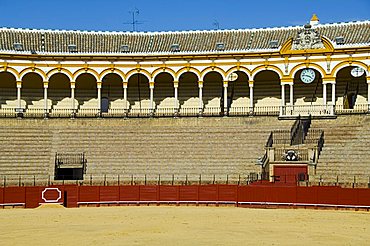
[{"x": 182, "y": 226}]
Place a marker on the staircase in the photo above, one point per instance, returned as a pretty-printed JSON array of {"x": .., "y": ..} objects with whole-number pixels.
[{"x": 346, "y": 152}]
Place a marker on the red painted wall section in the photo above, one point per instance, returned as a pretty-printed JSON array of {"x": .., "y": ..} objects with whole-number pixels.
[
  {"x": 109, "y": 193},
  {"x": 168, "y": 193},
  {"x": 1, "y": 195},
  {"x": 227, "y": 192},
  {"x": 149, "y": 193},
  {"x": 288, "y": 174},
  {"x": 32, "y": 196},
  {"x": 129, "y": 193},
  {"x": 188, "y": 193},
  {"x": 89, "y": 194},
  {"x": 14, "y": 195},
  {"x": 72, "y": 195}
]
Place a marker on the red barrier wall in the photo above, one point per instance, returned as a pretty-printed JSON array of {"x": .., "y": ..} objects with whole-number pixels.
[{"x": 73, "y": 195}]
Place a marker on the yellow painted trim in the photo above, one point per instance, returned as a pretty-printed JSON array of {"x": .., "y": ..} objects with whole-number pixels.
[
  {"x": 10, "y": 70},
  {"x": 61, "y": 70},
  {"x": 138, "y": 71},
  {"x": 160, "y": 70},
  {"x": 307, "y": 65},
  {"x": 32, "y": 70},
  {"x": 114, "y": 70},
  {"x": 86, "y": 70},
  {"x": 267, "y": 68},
  {"x": 213, "y": 69},
  {"x": 348, "y": 63},
  {"x": 240, "y": 69},
  {"x": 188, "y": 69}
]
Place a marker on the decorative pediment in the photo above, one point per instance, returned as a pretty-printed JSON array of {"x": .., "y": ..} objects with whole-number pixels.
[{"x": 307, "y": 39}]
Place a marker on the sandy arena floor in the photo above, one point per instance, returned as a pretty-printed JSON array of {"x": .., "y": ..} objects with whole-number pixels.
[{"x": 182, "y": 226}]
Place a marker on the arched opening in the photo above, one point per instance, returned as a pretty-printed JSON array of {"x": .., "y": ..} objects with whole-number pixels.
[
  {"x": 8, "y": 94},
  {"x": 86, "y": 95},
  {"x": 33, "y": 94},
  {"x": 238, "y": 94},
  {"x": 308, "y": 92},
  {"x": 267, "y": 92},
  {"x": 188, "y": 94},
  {"x": 112, "y": 94},
  {"x": 59, "y": 92},
  {"x": 138, "y": 95},
  {"x": 351, "y": 90},
  {"x": 164, "y": 94},
  {"x": 213, "y": 94}
]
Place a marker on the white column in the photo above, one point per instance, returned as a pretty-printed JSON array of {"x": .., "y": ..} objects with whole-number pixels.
[
  {"x": 282, "y": 99},
  {"x": 225, "y": 96},
  {"x": 200, "y": 84},
  {"x": 19, "y": 86},
  {"x": 368, "y": 93},
  {"x": 324, "y": 93},
  {"x": 251, "y": 105},
  {"x": 291, "y": 96},
  {"x": 333, "y": 93},
  {"x": 125, "y": 94},
  {"x": 151, "y": 87},
  {"x": 98, "y": 86},
  {"x": 46, "y": 85},
  {"x": 73, "y": 85},
  {"x": 176, "y": 86}
]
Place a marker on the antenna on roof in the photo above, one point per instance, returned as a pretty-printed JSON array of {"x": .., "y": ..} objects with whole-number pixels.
[
  {"x": 135, "y": 12},
  {"x": 216, "y": 24}
]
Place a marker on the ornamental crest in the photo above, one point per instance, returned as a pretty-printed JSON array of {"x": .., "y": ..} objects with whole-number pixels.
[{"x": 307, "y": 39}]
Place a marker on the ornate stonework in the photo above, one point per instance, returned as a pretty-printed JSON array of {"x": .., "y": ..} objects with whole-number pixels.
[{"x": 307, "y": 39}]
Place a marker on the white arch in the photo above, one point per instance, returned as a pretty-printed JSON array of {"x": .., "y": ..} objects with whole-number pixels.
[
  {"x": 268, "y": 68},
  {"x": 189, "y": 70},
  {"x": 353, "y": 64},
  {"x": 36, "y": 71},
  {"x": 159, "y": 71},
  {"x": 84, "y": 71},
  {"x": 55, "y": 71}
]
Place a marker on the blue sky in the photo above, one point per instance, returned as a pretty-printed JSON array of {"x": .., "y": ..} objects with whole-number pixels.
[{"x": 162, "y": 15}]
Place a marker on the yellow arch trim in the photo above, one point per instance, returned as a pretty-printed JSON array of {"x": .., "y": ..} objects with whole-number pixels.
[
  {"x": 213, "y": 69},
  {"x": 188, "y": 69},
  {"x": 11, "y": 71},
  {"x": 273, "y": 68},
  {"x": 286, "y": 48},
  {"x": 239, "y": 68},
  {"x": 309, "y": 65},
  {"x": 84, "y": 70},
  {"x": 33, "y": 70},
  {"x": 107, "y": 71},
  {"x": 344, "y": 64},
  {"x": 163, "y": 70},
  {"x": 64, "y": 71},
  {"x": 140, "y": 71}
]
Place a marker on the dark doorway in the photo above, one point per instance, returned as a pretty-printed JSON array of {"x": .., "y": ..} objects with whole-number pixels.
[{"x": 104, "y": 105}]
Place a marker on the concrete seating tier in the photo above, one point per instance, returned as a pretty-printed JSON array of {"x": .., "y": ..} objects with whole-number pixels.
[{"x": 184, "y": 146}]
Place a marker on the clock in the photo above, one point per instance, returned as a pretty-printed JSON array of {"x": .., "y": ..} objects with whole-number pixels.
[
  {"x": 308, "y": 75},
  {"x": 357, "y": 72}
]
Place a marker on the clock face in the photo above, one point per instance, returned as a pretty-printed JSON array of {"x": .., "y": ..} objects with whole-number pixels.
[
  {"x": 357, "y": 72},
  {"x": 307, "y": 76}
]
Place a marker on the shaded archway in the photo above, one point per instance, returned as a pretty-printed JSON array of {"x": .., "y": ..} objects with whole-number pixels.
[
  {"x": 112, "y": 93},
  {"x": 8, "y": 92},
  {"x": 351, "y": 92},
  {"x": 308, "y": 93},
  {"x": 138, "y": 94},
  {"x": 238, "y": 94},
  {"x": 164, "y": 94},
  {"x": 213, "y": 93},
  {"x": 86, "y": 94},
  {"x": 33, "y": 93},
  {"x": 267, "y": 92},
  {"x": 59, "y": 92},
  {"x": 188, "y": 93}
]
